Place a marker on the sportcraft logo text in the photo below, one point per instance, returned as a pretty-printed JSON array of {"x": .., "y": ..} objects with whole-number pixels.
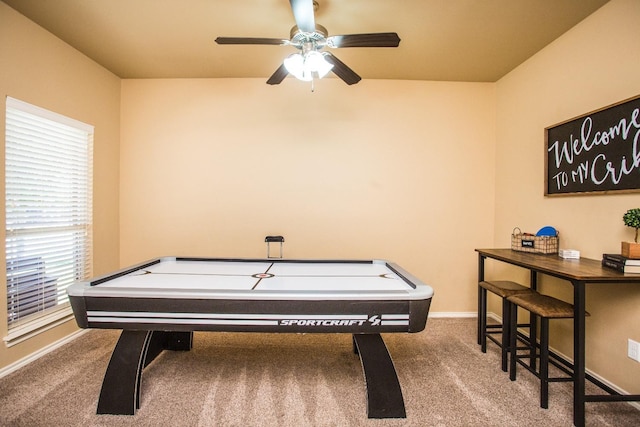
[{"x": 373, "y": 320}]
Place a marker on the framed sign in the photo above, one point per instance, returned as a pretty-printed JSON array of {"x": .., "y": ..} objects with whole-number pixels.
[{"x": 598, "y": 152}]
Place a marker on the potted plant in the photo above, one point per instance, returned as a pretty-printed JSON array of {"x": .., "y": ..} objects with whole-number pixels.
[{"x": 632, "y": 219}]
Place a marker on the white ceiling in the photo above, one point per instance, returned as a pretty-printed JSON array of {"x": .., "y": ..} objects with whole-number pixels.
[{"x": 453, "y": 40}]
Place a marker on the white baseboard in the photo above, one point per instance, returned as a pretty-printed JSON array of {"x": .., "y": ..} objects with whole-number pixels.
[
  {"x": 452, "y": 314},
  {"x": 38, "y": 354}
]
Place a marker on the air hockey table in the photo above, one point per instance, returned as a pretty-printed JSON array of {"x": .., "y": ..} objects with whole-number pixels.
[{"x": 158, "y": 305}]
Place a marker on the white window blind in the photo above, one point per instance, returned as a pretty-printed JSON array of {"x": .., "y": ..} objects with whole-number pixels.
[{"x": 48, "y": 172}]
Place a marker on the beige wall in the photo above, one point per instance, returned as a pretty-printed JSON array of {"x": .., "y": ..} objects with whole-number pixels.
[
  {"x": 595, "y": 64},
  {"x": 40, "y": 69},
  {"x": 401, "y": 170}
]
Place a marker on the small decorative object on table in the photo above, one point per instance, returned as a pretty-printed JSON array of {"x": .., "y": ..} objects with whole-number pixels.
[
  {"x": 545, "y": 241},
  {"x": 569, "y": 253},
  {"x": 631, "y": 218}
]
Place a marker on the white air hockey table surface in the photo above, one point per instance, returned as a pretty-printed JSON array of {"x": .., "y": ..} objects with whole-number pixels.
[{"x": 254, "y": 295}]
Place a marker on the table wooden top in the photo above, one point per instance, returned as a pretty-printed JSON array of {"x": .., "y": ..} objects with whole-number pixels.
[{"x": 583, "y": 269}]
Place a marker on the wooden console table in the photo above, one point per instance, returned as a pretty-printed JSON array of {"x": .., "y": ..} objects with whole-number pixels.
[{"x": 579, "y": 273}]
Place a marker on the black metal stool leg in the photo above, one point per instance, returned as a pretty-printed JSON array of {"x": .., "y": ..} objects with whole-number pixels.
[
  {"x": 544, "y": 363},
  {"x": 513, "y": 347},
  {"x": 482, "y": 318},
  {"x": 533, "y": 339},
  {"x": 506, "y": 332}
]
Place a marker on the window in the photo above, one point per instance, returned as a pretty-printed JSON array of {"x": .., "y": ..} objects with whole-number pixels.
[{"x": 48, "y": 173}]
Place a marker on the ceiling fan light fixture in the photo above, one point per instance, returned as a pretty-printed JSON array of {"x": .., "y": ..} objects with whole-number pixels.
[
  {"x": 305, "y": 66},
  {"x": 294, "y": 64},
  {"x": 318, "y": 64}
]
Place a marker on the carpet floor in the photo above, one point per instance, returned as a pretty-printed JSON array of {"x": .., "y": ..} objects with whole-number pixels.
[{"x": 251, "y": 379}]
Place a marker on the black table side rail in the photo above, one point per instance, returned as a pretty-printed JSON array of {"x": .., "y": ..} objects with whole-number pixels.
[
  {"x": 102, "y": 279},
  {"x": 276, "y": 260}
]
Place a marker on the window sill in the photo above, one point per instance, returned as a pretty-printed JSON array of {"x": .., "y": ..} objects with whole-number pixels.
[{"x": 30, "y": 329}]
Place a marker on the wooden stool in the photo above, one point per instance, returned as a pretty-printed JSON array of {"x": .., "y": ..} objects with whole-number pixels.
[
  {"x": 504, "y": 289},
  {"x": 546, "y": 308}
]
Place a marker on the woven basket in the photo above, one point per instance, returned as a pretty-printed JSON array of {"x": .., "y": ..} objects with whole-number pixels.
[{"x": 534, "y": 244}]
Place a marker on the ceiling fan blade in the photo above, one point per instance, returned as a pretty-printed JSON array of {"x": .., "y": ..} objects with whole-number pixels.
[
  {"x": 303, "y": 14},
  {"x": 341, "y": 70},
  {"x": 277, "y": 77},
  {"x": 250, "y": 40},
  {"x": 364, "y": 40}
]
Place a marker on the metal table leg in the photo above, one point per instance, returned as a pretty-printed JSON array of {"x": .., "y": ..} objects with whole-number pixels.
[{"x": 579, "y": 365}]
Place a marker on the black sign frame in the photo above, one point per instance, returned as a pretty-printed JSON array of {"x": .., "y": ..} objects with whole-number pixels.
[{"x": 595, "y": 153}]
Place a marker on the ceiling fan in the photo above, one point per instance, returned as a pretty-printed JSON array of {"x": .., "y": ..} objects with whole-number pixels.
[{"x": 310, "y": 39}]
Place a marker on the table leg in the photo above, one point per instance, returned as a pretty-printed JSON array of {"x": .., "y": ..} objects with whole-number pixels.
[
  {"x": 482, "y": 301},
  {"x": 384, "y": 395},
  {"x": 120, "y": 393},
  {"x": 579, "y": 365},
  {"x": 533, "y": 322}
]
